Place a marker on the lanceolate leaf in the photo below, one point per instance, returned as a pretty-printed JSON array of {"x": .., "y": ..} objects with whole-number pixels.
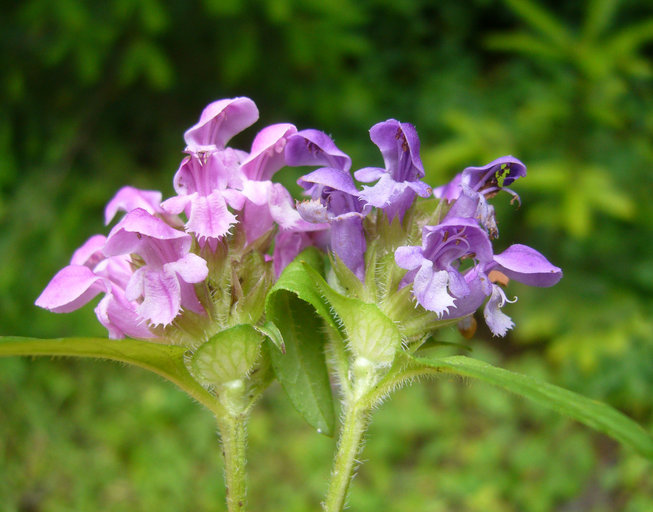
[
  {"x": 302, "y": 369},
  {"x": 590, "y": 412},
  {"x": 295, "y": 307},
  {"x": 164, "y": 360}
]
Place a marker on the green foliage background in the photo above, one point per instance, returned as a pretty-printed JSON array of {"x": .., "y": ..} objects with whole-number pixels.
[{"x": 96, "y": 95}]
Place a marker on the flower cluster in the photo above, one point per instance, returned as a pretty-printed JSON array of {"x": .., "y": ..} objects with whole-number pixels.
[
  {"x": 454, "y": 271},
  {"x": 155, "y": 267},
  {"x": 207, "y": 256}
]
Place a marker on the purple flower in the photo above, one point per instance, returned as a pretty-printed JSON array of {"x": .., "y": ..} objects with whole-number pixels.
[
  {"x": 441, "y": 286},
  {"x": 206, "y": 185},
  {"x": 334, "y": 199},
  {"x": 267, "y": 203},
  {"x": 219, "y": 122},
  {"x": 315, "y": 148},
  {"x": 89, "y": 274},
  {"x": 487, "y": 180},
  {"x": 399, "y": 182},
  {"x": 434, "y": 268},
  {"x": 470, "y": 190},
  {"x": 165, "y": 281}
]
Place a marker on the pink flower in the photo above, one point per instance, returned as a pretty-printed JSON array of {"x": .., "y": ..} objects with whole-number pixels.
[
  {"x": 89, "y": 274},
  {"x": 206, "y": 185},
  {"x": 164, "y": 284}
]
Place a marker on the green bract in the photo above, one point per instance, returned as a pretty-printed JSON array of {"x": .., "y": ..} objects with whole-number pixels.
[{"x": 228, "y": 356}]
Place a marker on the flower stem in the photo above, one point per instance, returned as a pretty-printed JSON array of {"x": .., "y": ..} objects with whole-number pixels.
[
  {"x": 350, "y": 445},
  {"x": 233, "y": 431}
]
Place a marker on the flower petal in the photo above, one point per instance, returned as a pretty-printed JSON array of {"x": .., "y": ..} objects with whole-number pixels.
[
  {"x": 368, "y": 174},
  {"x": 497, "y": 174},
  {"x": 130, "y": 198},
  {"x": 267, "y": 155},
  {"x": 399, "y": 145},
  {"x": 450, "y": 191},
  {"x": 210, "y": 217},
  {"x": 348, "y": 242},
  {"x": 129, "y": 234},
  {"x": 120, "y": 318},
  {"x": 90, "y": 253},
  {"x": 409, "y": 256},
  {"x": 526, "y": 265},
  {"x": 336, "y": 179},
  {"x": 313, "y": 147},
  {"x": 71, "y": 288},
  {"x": 287, "y": 246},
  {"x": 161, "y": 297},
  {"x": 178, "y": 204},
  {"x": 191, "y": 268},
  {"x": 498, "y": 322},
  {"x": 430, "y": 289},
  {"x": 219, "y": 122}
]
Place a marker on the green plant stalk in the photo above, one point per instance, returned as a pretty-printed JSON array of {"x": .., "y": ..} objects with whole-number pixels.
[
  {"x": 233, "y": 434},
  {"x": 350, "y": 444}
]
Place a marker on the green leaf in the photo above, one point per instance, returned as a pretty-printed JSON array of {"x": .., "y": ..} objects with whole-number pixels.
[
  {"x": 302, "y": 369},
  {"x": 296, "y": 280},
  {"x": 594, "y": 414},
  {"x": 297, "y": 309},
  {"x": 164, "y": 360},
  {"x": 432, "y": 343}
]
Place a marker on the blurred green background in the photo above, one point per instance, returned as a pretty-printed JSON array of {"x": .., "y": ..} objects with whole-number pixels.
[{"x": 96, "y": 95}]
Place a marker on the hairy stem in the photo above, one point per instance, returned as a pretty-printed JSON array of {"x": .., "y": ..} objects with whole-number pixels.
[
  {"x": 346, "y": 461},
  {"x": 233, "y": 432}
]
